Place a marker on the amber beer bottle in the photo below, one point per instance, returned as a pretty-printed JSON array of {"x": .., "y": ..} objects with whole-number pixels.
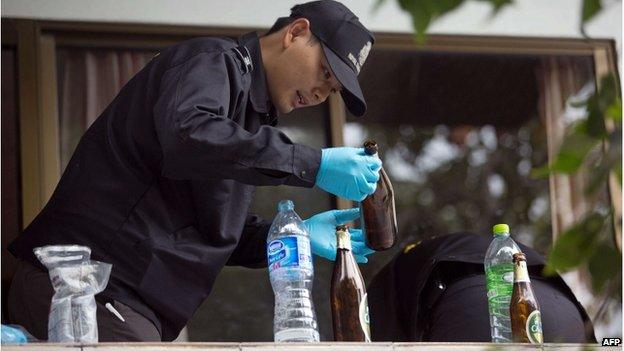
[
  {"x": 524, "y": 311},
  {"x": 378, "y": 215},
  {"x": 349, "y": 302}
]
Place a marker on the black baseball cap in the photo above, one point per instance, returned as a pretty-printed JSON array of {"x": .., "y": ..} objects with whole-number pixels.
[{"x": 345, "y": 41}]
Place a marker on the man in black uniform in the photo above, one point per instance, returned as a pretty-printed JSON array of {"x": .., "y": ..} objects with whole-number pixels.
[
  {"x": 159, "y": 186},
  {"x": 435, "y": 291}
]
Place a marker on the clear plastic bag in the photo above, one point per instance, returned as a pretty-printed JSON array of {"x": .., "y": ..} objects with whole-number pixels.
[{"x": 76, "y": 279}]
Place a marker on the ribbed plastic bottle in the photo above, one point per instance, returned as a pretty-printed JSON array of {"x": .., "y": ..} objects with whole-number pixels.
[
  {"x": 499, "y": 271},
  {"x": 291, "y": 272}
]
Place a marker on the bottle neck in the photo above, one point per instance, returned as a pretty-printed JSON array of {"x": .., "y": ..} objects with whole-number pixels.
[
  {"x": 521, "y": 274},
  {"x": 343, "y": 239}
]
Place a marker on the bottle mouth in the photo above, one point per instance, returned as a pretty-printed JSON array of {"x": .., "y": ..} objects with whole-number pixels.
[
  {"x": 370, "y": 147},
  {"x": 285, "y": 205}
]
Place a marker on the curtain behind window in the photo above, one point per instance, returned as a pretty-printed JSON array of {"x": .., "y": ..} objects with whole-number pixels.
[{"x": 88, "y": 80}]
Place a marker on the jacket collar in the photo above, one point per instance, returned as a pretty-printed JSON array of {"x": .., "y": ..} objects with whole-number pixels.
[{"x": 259, "y": 93}]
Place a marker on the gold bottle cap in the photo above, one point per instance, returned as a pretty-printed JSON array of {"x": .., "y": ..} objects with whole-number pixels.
[
  {"x": 342, "y": 227},
  {"x": 519, "y": 257},
  {"x": 521, "y": 274},
  {"x": 370, "y": 147},
  {"x": 343, "y": 237}
]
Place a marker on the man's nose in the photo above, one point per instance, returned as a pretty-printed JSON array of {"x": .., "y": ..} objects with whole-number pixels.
[{"x": 321, "y": 93}]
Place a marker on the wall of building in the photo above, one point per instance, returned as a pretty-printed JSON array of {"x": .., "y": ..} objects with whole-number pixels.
[{"x": 552, "y": 18}]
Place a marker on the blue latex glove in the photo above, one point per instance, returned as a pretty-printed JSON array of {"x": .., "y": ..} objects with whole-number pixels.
[
  {"x": 348, "y": 172},
  {"x": 322, "y": 229}
]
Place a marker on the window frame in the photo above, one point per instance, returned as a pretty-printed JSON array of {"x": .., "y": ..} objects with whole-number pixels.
[{"x": 37, "y": 40}]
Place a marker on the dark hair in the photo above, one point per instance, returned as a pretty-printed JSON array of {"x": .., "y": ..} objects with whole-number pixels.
[
  {"x": 283, "y": 22},
  {"x": 280, "y": 23}
]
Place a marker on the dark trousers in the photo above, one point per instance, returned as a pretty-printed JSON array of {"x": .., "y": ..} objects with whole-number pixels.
[{"x": 30, "y": 297}]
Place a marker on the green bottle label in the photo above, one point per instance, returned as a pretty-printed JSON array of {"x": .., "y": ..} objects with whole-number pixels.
[
  {"x": 534, "y": 327},
  {"x": 500, "y": 287}
]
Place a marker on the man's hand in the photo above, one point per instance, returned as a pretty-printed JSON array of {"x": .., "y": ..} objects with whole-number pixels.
[
  {"x": 322, "y": 228},
  {"x": 348, "y": 172}
]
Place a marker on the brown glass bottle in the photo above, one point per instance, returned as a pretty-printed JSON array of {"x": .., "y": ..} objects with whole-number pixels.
[
  {"x": 349, "y": 303},
  {"x": 524, "y": 311},
  {"x": 378, "y": 215}
]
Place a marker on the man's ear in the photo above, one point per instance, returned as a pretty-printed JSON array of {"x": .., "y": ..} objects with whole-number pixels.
[{"x": 299, "y": 29}]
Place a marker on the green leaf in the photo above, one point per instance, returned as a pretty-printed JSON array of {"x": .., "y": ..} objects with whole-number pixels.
[
  {"x": 604, "y": 265},
  {"x": 541, "y": 172},
  {"x": 575, "y": 245},
  {"x": 614, "y": 153},
  {"x": 608, "y": 91},
  {"x": 497, "y": 5},
  {"x": 421, "y": 17},
  {"x": 615, "y": 143},
  {"x": 442, "y": 7},
  {"x": 573, "y": 151},
  {"x": 586, "y": 135},
  {"x": 590, "y": 9},
  {"x": 618, "y": 173},
  {"x": 608, "y": 97},
  {"x": 595, "y": 118},
  {"x": 378, "y": 4},
  {"x": 614, "y": 112},
  {"x": 423, "y": 12},
  {"x": 611, "y": 161}
]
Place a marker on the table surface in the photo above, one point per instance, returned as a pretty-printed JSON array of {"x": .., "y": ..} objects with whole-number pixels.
[{"x": 323, "y": 346}]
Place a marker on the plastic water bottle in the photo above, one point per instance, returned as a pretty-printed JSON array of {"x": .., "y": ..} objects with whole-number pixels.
[
  {"x": 499, "y": 271},
  {"x": 290, "y": 269}
]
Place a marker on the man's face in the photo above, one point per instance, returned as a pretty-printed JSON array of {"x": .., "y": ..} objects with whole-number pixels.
[{"x": 302, "y": 76}]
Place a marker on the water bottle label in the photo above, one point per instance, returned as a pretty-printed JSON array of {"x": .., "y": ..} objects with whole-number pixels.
[
  {"x": 499, "y": 287},
  {"x": 289, "y": 251},
  {"x": 297, "y": 334}
]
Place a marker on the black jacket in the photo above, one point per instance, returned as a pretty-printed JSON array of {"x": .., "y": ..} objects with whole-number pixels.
[{"x": 161, "y": 183}]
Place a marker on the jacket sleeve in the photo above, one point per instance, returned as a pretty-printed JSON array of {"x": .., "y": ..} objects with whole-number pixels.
[
  {"x": 251, "y": 249},
  {"x": 199, "y": 139}
]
